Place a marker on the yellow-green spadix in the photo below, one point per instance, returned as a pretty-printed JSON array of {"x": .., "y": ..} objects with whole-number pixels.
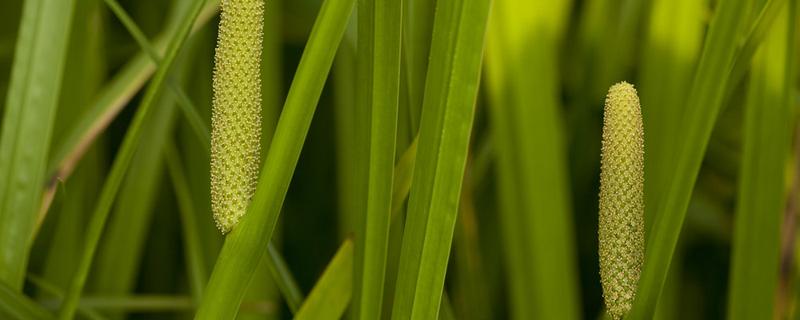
[
  {"x": 621, "y": 225},
  {"x": 236, "y": 111}
]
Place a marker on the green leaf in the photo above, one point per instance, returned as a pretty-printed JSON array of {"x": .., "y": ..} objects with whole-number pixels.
[
  {"x": 122, "y": 162},
  {"x": 31, "y": 105},
  {"x": 768, "y": 120},
  {"x": 195, "y": 262},
  {"x": 113, "y": 97},
  {"x": 702, "y": 107},
  {"x": 284, "y": 278},
  {"x": 195, "y": 256},
  {"x": 119, "y": 256},
  {"x": 533, "y": 185},
  {"x": 187, "y": 106},
  {"x": 763, "y": 22},
  {"x": 448, "y": 112},
  {"x": 83, "y": 76},
  {"x": 669, "y": 59},
  {"x": 331, "y": 295},
  {"x": 17, "y": 306},
  {"x": 268, "y": 282},
  {"x": 245, "y": 245},
  {"x": 379, "y": 25},
  {"x": 52, "y": 290}
]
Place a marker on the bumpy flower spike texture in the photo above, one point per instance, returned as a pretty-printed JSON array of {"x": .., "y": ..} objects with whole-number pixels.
[
  {"x": 621, "y": 225},
  {"x": 236, "y": 111}
]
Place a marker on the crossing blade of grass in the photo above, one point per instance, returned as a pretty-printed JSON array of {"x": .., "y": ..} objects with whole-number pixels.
[
  {"x": 448, "y": 112},
  {"x": 187, "y": 106},
  {"x": 197, "y": 271},
  {"x": 119, "y": 256},
  {"x": 331, "y": 295},
  {"x": 768, "y": 120},
  {"x": 535, "y": 212},
  {"x": 379, "y": 25},
  {"x": 762, "y": 24},
  {"x": 196, "y": 160},
  {"x": 669, "y": 58},
  {"x": 195, "y": 262},
  {"x": 54, "y": 291},
  {"x": 702, "y": 107},
  {"x": 15, "y": 305},
  {"x": 83, "y": 76},
  {"x": 245, "y": 245},
  {"x": 284, "y": 278},
  {"x": 121, "y": 163},
  {"x": 157, "y": 304},
  {"x": 110, "y": 101},
  {"x": 27, "y": 127}
]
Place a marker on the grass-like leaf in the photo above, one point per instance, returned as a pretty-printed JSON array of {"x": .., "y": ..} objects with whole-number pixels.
[
  {"x": 15, "y": 305},
  {"x": 448, "y": 111},
  {"x": 284, "y": 278},
  {"x": 379, "y": 25},
  {"x": 110, "y": 101},
  {"x": 27, "y": 127},
  {"x": 672, "y": 45},
  {"x": 122, "y": 162},
  {"x": 195, "y": 264},
  {"x": 670, "y": 55},
  {"x": 194, "y": 253},
  {"x": 187, "y": 106},
  {"x": 245, "y": 245},
  {"x": 331, "y": 295},
  {"x": 768, "y": 120},
  {"x": 703, "y": 105},
  {"x": 52, "y": 290},
  {"x": 535, "y": 211},
  {"x": 759, "y": 30},
  {"x": 83, "y": 76},
  {"x": 120, "y": 254}
]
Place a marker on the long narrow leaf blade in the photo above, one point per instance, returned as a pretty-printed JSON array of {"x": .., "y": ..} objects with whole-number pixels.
[
  {"x": 114, "y": 96},
  {"x": 767, "y": 131},
  {"x": 703, "y": 105},
  {"x": 121, "y": 164},
  {"x": 17, "y": 306},
  {"x": 245, "y": 245},
  {"x": 27, "y": 128},
  {"x": 448, "y": 111},
  {"x": 379, "y": 23},
  {"x": 331, "y": 294}
]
